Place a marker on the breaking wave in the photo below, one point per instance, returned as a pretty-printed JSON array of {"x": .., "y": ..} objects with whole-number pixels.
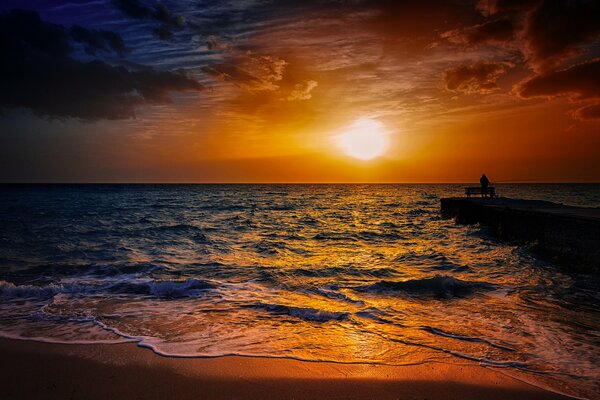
[
  {"x": 439, "y": 286},
  {"x": 305, "y": 313},
  {"x": 160, "y": 289}
]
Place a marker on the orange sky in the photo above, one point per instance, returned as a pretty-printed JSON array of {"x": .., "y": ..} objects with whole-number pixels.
[{"x": 462, "y": 88}]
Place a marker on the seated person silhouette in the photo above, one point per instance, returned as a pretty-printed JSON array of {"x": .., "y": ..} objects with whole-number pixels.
[{"x": 485, "y": 182}]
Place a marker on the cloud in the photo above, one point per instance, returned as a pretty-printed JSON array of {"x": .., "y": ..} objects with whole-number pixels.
[
  {"x": 229, "y": 72},
  {"x": 133, "y": 8},
  {"x": 548, "y": 32},
  {"x": 253, "y": 72},
  {"x": 162, "y": 14},
  {"x": 98, "y": 40},
  {"x": 162, "y": 33},
  {"x": 591, "y": 111},
  {"x": 302, "y": 91},
  {"x": 480, "y": 77},
  {"x": 557, "y": 30},
  {"x": 159, "y": 13},
  {"x": 491, "y": 7},
  {"x": 39, "y": 73},
  {"x": 213, "y": 43},
  {"x": 500, "y": 31},
  {"x": 579, "y": 81}
]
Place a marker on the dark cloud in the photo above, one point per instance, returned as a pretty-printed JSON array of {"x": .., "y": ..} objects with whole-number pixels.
[
  {"x": 213, "y": 43},
  {"x": 490, "y": 7},
  {"x": 500, "y": 30},
  {"x": 98, "y": 40},
  {"x": 548, "y": 32},
  {"x": 24, "y": 32},
  {"x": 556, "y": 30},
  {"x": 158, "y": 12},
  {"x": 162, "y": 33},
  {"x": 591, "y": 111},
  {"x": 162, "y": 14},
  {"x": 579, "y": 81},
  {"x": 480, "y": 77},
  {"x": 38, "y": 72},
  {"x": 133, "y": 8}
]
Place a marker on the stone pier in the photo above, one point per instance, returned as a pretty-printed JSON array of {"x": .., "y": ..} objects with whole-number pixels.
[{"x": 568, "y": 235}]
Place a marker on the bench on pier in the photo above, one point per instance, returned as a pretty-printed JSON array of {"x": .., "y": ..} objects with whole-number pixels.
[{"x": 490, "y": 191}]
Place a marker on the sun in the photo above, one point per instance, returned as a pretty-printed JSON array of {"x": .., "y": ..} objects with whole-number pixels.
[{"x": 364, "y": 139}]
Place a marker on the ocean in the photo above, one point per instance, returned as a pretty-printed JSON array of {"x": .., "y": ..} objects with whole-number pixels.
[{"x": 341, "y": 273}]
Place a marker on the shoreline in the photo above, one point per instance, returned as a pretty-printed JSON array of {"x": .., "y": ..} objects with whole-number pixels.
[{"x": 125, "y": 371}]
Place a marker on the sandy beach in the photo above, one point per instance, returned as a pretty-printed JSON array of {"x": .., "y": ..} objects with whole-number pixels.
[{"x": 124, "y": 371}]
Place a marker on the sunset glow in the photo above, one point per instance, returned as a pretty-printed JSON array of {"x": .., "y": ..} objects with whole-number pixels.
[
  {"x": 365, "y": 139},
  {"x": 186, "y": 91}
]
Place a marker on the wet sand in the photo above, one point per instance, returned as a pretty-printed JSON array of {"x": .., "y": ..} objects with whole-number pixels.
[{"x": 31, "y": 370}]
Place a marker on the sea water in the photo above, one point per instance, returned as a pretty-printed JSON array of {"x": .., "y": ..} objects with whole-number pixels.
[{"x": 342, "y": 273}]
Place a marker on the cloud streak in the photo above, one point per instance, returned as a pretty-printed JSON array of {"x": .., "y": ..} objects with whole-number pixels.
[
  {"x": 480, "y": 77},
  {"x": 159, "y": 13},
  {"x": 499, "y": 31},
  {"x": 250, "y": 71}
]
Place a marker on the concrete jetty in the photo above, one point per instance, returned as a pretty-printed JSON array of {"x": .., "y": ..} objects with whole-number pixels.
[{"x": 568, "y": 235}]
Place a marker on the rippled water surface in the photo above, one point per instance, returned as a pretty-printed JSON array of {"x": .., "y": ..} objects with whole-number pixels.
[{"x": 346, "y": 273}]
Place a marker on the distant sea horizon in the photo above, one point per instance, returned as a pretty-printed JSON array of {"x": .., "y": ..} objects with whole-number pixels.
[{"x": 510, "y": 182}]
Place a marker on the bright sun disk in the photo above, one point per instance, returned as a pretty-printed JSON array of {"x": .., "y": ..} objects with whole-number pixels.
[{"x": 365, "y": 139}]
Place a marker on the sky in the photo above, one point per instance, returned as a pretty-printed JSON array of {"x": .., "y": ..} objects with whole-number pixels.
[{"x": 247, "y": 91}]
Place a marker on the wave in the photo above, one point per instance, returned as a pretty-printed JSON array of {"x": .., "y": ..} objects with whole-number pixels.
[
  {"x": 55, "y": 271},
  {"x": 165, "y": 289},
  {"x": 186, "y": 230},
  {"x": 431, "y": 260},
  {"x": 439, "y": 286},
  {"x": 308, "y": 220},
  {"x": 335, "y": 295},
  {"x": 161, "y": 289},
  {"x": 326, "y": 272},
  {"x": 335, "y": 236},
  {"x": 305, "y": 313},
  {"x": 10, "y": 290},
  {"x": 373, "y": 235},
  {"x": 271, "y": 247},
  {"x": 439, "y": 332},
  {"x": 416, "y": 212},
  {"x": 358, "y": 236},
  {"x": 374, "y": 315}
]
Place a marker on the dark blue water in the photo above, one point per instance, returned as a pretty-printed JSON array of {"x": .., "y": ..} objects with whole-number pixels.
[{"x": 344, "y": 273}]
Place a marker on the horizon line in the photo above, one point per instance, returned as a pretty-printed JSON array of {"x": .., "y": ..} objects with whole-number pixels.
[{"x": 292, "y": 183}]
